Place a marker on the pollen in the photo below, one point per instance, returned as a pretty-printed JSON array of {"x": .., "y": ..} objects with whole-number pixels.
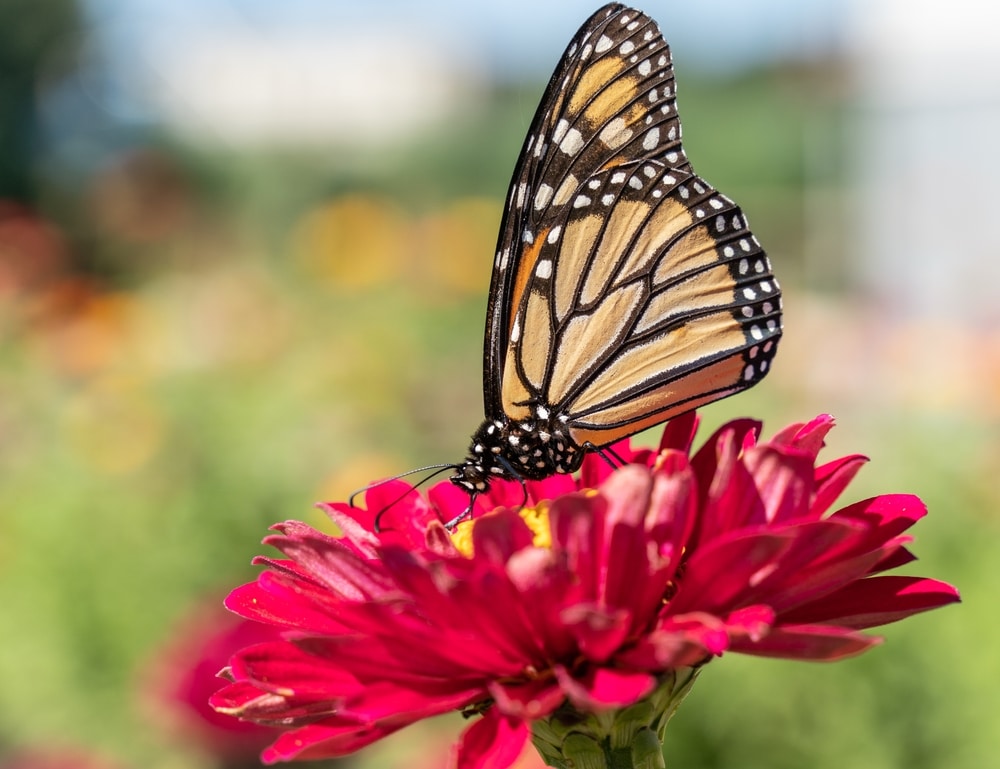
[
  {"x": 536, "y": 518},
  {"x": 461, "y": 538}
]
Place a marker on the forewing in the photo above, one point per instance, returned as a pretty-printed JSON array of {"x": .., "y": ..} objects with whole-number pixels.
[
  {"x": 648, "y": 300},
  {"x": 610, "y": 103}
]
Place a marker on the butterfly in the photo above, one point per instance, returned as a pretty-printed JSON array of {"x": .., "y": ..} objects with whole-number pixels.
[{"x": 626, "y": 290}]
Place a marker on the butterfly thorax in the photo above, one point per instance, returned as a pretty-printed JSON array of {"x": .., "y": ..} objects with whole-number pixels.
[{"x": 518, "y": 450}]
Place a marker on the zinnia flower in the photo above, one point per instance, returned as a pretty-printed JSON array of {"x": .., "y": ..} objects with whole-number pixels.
[
  {"x": 182, "y": 674},
  {"x": 579, "y": 616}
]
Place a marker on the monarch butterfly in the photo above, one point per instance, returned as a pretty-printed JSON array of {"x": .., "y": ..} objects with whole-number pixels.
[{"x": 625, "y": 290}]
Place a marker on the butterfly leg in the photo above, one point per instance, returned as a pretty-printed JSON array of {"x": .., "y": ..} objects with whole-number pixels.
[
  {"x": 606, "y": 453},
  {"x": 466, "y": 513}
]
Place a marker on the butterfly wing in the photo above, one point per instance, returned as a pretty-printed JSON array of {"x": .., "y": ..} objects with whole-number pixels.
[
  {"x": 651, "y": 299},
  {"x": 611, "y": 100},
  {"x": 626, "y": 289}
]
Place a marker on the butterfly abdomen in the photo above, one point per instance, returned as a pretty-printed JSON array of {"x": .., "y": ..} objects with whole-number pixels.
[{"x": 524, "y": 450}]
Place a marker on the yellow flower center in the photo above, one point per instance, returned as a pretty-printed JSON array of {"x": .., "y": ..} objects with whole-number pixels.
[{"x": 536, "y": 518}]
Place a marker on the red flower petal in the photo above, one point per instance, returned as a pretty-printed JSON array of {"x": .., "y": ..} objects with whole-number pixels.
[
  {"x": 666, "y": 564},
  {"x": 876, "y": 601},
  {"x": 597, "y": 631},
  {"x": 808, "y": 642},
  {"x": 784, "y": 481},
  {"x": 527, "y": 699},
  {"x": 325, "y": 740},
  {"x": 603, "y": 688},
  {"x": 831, "y": 479},
  {"x": 679, "y": 432},
  {"x": 491, "y": 742}
]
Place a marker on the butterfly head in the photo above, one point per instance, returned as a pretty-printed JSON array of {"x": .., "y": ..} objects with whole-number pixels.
[{"x": 518, "y": 450}]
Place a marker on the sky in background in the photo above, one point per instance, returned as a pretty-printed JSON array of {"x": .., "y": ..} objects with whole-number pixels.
[
  {"x": 188, "y": 61},
  {"x": 514, "y": 37}
]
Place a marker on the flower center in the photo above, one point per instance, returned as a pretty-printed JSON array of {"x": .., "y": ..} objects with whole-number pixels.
[{"x": 536, "y": 518}]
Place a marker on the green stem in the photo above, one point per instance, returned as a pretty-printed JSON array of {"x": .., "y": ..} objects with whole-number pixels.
[{"x": 630, "y": 738}]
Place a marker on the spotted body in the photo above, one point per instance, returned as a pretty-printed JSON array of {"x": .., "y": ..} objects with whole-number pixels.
[{"x": 626, "y": 289}]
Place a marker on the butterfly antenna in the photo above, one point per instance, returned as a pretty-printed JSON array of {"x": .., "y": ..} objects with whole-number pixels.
[
  {"x": 375, "y": 484},
  {"x": 438, "y": 469}
]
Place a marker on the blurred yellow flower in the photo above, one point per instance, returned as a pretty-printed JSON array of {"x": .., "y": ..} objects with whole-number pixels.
[
  {"x": 457, "y": 244},
  {"x": 356, "y": 241},
  {"x": 113, "y": 426}
]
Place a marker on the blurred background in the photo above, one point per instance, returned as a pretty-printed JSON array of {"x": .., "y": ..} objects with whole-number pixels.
[{"x": 244, "y": 252}]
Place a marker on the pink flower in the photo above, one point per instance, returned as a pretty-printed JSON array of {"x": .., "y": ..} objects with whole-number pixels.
[
  {"x": 599, "y": 592},
  {"x": 183, "y": 674}
]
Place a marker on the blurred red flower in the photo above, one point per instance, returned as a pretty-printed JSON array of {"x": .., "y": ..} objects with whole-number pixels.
[
  {"x": 587, "y": 596},
  {"x": 183, "y": 674}
]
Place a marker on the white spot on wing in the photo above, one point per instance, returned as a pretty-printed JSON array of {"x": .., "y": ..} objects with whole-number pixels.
[
  {"x": 543, "y": 196},
  {"x": 615, "y": 133},
  {"x": 573, "y": 142},
  {"x": 554, "y": 233},
  {"x": 603, "y": 44}
]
